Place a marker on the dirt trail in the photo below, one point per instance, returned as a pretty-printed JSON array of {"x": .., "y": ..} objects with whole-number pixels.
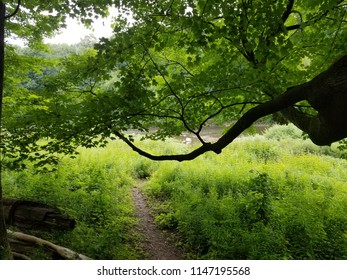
[{"x": 155, "y": 244}]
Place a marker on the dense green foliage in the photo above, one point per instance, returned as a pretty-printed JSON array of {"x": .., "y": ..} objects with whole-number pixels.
[
  {"x": 263, "y": 198},
  {"x": 93, "y": 189},
  {"x": 175, "y": 65}
]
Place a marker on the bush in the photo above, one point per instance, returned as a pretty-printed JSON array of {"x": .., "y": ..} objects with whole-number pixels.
[
  {"x": 260, "y": 199},
  {"x": 280, "y": 132},
  {"x": 93, "y": 189},
  {"x": 257, "y": 200}
]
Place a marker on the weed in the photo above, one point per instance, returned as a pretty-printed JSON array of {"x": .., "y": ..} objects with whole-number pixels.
[{"x": 265, "y": 197}]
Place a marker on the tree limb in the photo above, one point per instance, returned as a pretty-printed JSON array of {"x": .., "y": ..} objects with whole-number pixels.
[
  {"x": 62, "y": 251},
  {"x": 290, "y": 97},
  {"x": 19, "y": 256},
  {"x": 288, "y": 11},
  {"x": 15, "y": 11},
  {"x": 326, "y": 93}
]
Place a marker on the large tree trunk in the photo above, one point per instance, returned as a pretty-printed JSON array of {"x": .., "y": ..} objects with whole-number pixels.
[
  {"x": 5, "y": 251},
  {"x": 327, "y": 93}
]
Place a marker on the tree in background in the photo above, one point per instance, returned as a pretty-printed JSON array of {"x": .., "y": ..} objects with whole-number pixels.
[
  {"x": 176, "y": 66},
  {"x": 36, "y": 20}
]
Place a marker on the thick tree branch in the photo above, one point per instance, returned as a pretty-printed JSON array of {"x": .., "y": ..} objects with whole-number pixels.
[
  {"x": 327, "y": 93},
  {"x": 313, "y": 20},
  {"x": 290, "y": 97},
  {"x": 288, "y": 11},
  {"x": 223, "y": 107}
]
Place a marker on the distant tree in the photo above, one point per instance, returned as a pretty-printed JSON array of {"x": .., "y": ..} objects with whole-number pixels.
[
  {"x": 177, "y": 65},
  {"x": 36, "y": 20}
]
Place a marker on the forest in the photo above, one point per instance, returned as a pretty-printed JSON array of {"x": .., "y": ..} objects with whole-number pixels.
[{"x": 215, "y": 127}]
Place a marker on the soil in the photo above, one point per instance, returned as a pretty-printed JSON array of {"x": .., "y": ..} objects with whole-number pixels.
[{"x": 156, "y": 244}]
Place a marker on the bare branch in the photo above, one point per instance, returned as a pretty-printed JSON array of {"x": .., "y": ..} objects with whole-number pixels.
[
  {"x": 288, "y": 11},
  {"x": 15, "y": 11},
  {"x": 164, "y": 78},
  {"x": 183, "y": 67},
  {"x": 62, "y": 251},
  {"x": 222, "y": 109},
  {"x": 313, "y": 20}
]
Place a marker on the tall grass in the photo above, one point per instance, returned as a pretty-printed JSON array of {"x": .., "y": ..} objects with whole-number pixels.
[
  {"x": 259, "y": 199},
  {"x": 264, "y": 197},
  {"x": 93, "y": 189}
]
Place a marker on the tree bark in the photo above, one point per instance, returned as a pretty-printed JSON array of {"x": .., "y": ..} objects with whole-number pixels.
[
  {"x": 328, "y": 96},
  {"x": 5, "y": 251}
]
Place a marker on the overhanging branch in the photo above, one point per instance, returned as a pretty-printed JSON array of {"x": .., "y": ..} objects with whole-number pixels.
[
  {"x": 15, "y": 11},
  {"x": 290, "y": 97},
  {"x": 326, "y": 93}
]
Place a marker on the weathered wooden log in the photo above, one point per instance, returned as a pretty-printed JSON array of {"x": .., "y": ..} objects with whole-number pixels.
[
  {"x": 18, "y": 256},
  {"x": 35, "y": 216},
  {"x": 23, "y": 245}
]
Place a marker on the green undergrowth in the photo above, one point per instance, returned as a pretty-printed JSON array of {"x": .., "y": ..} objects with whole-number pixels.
[
  {"x": 94, "y": 190},
  {"x": 260, "y": 199},
  {"x": 273, "y": 196}
]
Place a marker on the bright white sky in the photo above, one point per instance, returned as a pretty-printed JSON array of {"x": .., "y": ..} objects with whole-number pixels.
[{"x": 76, "y": 31}]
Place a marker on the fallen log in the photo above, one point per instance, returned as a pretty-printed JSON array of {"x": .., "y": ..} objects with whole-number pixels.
[
  {"x": 18, "y": 256},
  {"x": 23, "y": 244},
  {"x": 35, "y": 216}
]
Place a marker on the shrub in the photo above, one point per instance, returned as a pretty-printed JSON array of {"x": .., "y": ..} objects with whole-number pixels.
[
  {"x": 257, "y": 200},
  {"x": 280, "y": 132},
  {"x": 94, "y": 190}
]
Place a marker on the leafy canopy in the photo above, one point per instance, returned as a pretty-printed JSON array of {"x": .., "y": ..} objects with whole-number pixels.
[{"x": 173, "y": 65}]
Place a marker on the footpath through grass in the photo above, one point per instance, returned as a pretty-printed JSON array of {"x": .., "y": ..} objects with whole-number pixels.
[{"x": 265, "y": 197}]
